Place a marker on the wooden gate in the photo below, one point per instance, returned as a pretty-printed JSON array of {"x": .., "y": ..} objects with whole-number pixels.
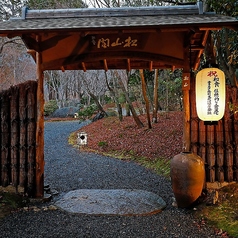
[
  {"x": 217, "y": 144},
  {"x": 18, "y": 110}
]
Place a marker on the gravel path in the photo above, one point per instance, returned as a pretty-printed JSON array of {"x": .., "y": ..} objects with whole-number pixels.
[{"x": 68, "y": 169}]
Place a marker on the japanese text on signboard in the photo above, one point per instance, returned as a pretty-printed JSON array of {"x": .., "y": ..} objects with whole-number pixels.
[
  {"x": 186, "y": 81},
  {"x": 213, "y": 94},
  {"x": 103, "y": 43}
]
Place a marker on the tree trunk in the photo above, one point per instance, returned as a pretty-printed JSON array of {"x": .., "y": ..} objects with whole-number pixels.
[
  {"x": 115, "y": 98},
  {"x": 155, "y": 106},
  {"x": 133, "y": 112},
  {"x": 128, "y": 111},
  {"x": 147, "y": 103},
  {"x": 100, "y": 108}
]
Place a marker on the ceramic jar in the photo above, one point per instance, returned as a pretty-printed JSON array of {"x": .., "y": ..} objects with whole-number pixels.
[{"x": 187, "y": 173}]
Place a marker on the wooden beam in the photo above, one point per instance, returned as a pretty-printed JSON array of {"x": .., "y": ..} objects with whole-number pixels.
[
  {"x": 151, "y": 66},
  {"x": 84, "y": 67},
  {"x": 204, "y": 40},
  {"x": 197, "y": 47},
  {"x": 40, "y": 128},
  {"x": 175, "y": 29},
  {"x": 105, "y": 65},
  {"x": 113, "y": 55},
  {"x": 128, "y": 65},
  {"x": 140, "y": 30},
  {"x": 32, "y": 53},
  {"x": 188, "y": 38},
  {"x": 210, "y": 28},
  {"x": 93, "y": 32}
]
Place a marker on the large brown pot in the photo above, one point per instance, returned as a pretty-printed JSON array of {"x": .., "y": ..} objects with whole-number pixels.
[{"x": 187, "y": 176}]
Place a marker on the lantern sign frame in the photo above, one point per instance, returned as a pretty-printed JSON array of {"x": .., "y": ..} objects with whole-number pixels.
[
  {"x": 210, "y": 94},
  {"x": 82, "y": 138}
]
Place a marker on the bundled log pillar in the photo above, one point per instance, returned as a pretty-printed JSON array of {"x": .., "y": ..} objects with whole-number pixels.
[
  {"x": 23, "y": 137},
  {"x": 14, "y": 135},
  {"x": 228, "y": 163},
  {"x": 211, "y": 160},
  {"x": 5, "y": 144},
  {"x": 31, "y": 141},
  {"x": 219, "y": 135},
  {"x": 40, "y": 128},
  {"x": 236, "y": 141}
]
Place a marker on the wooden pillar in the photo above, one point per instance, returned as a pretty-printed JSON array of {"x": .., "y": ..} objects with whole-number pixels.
[
  {"x": 40, "y": 128},
  {"x": 186, "y": 100},
  {"x": 186, "y": 109}
]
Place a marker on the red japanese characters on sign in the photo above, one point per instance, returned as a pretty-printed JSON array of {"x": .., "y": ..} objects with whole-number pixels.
[{"x": 212, "y": 74}]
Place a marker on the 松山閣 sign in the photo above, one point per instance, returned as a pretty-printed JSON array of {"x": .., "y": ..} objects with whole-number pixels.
[{"x": 210, "y": 94}]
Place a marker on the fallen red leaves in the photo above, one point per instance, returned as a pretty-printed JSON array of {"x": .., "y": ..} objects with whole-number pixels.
[{"x": 163, "y": 140}]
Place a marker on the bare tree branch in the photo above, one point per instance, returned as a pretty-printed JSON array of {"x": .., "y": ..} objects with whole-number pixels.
[{"x": 14, "y": 41}]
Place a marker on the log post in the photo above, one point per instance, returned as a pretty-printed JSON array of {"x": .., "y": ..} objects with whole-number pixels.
[
  {"x": 186, "y": 100},
  {"x": 40, "y": 128},
  {"x": 186, "y": 109},
  {"x": 23, "y": 136}
]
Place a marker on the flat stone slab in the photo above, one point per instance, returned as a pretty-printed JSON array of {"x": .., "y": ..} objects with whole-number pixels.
[{"x": 111, "y": 201}]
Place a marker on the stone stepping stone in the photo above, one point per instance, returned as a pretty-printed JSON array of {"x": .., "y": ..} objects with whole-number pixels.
[{"x": 111, "y": 201}]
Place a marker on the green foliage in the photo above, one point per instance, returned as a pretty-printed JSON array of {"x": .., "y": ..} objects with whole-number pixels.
[
  {"x": 111, "y": 114},
  {"x": 107, "y": 99},
  {"x": 229, "y": 8},
  {"x": 102, "y": 143},
  {"x": 160, "y": 165},
  {"x": 149, "y": 76},
  {"x": 170, "y": 90},
  {"x": 134, "y": 79},
  {"x": 50, "y": 107},
  {"x": 122, "y": 98},
  {"x": 10, "y": 202},
  {"x": 87, "y": 112},
  {"x": 224, "y": 214},
  {"x": 226, "y": 40}
]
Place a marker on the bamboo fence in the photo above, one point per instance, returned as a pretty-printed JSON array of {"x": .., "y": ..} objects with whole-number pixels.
[
  {"x": 217, "y": 144},
  {"x": 18, "y": 136}
]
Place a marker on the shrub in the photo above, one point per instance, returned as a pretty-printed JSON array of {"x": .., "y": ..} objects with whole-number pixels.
[
  {"x": 87, "y": 112},
  {"x": 50, "y": 107}
]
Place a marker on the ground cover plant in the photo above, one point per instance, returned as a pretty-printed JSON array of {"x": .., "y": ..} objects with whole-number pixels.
[{"x": 10, "y": 202}]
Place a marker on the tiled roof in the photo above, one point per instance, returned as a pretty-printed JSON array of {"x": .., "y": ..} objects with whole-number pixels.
[
  {"x": 116, "y": 22},
  {"x": 72, "y": 30},
  {"x": 78, "y": 19}
]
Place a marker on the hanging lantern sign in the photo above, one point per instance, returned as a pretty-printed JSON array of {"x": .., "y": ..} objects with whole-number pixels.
[{"x": 210, "y": 94}]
